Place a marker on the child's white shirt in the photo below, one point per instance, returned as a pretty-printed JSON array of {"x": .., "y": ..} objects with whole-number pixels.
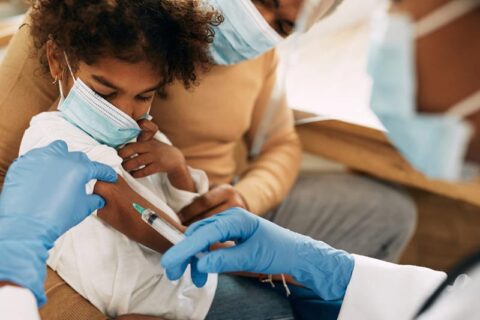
[{"x": 117, "y": 275}]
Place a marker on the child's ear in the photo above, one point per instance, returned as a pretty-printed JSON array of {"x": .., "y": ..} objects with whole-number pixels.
[{"x": 55, "y": 60}]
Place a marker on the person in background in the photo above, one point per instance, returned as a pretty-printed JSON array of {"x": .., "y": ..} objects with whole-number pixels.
[
  {"x": 213, "y": 125},
  {"x": 450, "y": 43},
  {"x": 432, "y": 123}
]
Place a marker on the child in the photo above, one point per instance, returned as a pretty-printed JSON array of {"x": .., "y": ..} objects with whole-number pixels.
[{"x": 109, "y": 58}]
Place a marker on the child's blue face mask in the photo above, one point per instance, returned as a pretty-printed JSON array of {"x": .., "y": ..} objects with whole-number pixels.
[
  {"x": 434, "y": 144},
  {"x": 96, "y": 116}
]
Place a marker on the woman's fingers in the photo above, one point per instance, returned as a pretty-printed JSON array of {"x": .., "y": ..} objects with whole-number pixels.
[
  {"x": 213, "y": 211},
  {"x": 203, "y": 204}
]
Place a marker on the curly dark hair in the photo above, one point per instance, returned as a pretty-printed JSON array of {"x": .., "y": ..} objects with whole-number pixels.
[{"x": 173, "y": 35}]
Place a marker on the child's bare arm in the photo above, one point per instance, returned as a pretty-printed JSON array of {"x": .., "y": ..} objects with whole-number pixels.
[{"x": 119, "y": 213}]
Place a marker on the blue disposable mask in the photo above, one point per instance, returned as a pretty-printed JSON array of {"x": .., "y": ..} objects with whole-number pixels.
[
  {"x": 434, "y": 144},
  {"x": 244, "y": 34},
  {"x": 96, "y": 116}
]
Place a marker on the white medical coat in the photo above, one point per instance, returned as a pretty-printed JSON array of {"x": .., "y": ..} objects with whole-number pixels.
[{"x": 378, "y": 290}]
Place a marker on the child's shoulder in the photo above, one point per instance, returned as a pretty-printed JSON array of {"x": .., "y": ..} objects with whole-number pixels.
[
  {"x": 47, "y": 127},
  {"x": 50, "y": 118},
  {"x": 52, "y": 123}
]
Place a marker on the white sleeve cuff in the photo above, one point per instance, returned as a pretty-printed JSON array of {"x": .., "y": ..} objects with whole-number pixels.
[
  {"x": 178, "y": 199},
  {"x": 17, "y": 304},
  {"x": 383, "y": 290}
]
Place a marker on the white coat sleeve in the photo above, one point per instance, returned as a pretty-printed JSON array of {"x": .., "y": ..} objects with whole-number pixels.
[
  {"x": 459, "y": 301},
  {"x": 382, "y": 290},
  {"x": 17, "y": 304}
]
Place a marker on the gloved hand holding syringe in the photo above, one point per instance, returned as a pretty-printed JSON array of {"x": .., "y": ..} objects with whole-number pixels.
[
  {"x": 175, "y": 236},
  {"x": 162, "y": 226}
]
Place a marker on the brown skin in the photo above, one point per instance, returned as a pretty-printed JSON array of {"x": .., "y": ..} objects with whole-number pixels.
[
  {"x": 156, "y": 157},
  {"x": 128, "y": 221},
  {"x": 123, "y": 217},
  {"x": 218, "y": 199},
  {"x": 8, "y": 284},
  {"x": 280, "y": 14}
]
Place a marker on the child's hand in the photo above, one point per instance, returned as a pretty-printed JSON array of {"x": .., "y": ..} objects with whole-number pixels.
[
  {"x": 148, "y": 156},
  {"x": 149, "y": 128}
]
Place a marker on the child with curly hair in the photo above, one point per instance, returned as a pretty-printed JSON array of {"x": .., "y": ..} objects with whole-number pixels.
[{"x": 110, "y": 58}]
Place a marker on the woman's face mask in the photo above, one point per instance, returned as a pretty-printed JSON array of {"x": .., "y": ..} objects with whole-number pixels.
[
  {"x": 244, "y": 34},
  {"x": 251, "y": 28},
  {"x": 96, "y": 116}
]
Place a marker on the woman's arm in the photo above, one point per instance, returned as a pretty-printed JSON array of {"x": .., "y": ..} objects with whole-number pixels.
[
  {"x": 268, "y": 179},
  {"x": 25, "y": 90}
]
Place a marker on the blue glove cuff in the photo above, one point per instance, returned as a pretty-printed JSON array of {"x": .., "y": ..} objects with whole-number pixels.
[
  {"x": 323, "y": 269},
  {"x": 24, "y": 263}
]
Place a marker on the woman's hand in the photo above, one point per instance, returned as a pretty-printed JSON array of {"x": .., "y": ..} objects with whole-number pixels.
[
  {"x": 218, "y": 199},
  {"x": 148, "y": 156}
]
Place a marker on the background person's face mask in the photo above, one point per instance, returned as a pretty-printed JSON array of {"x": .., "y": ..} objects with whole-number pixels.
[
  {"x": 434, "y": 144},
  {"x": 96, "y": 116},
  {"x": 243, "y": 35}
]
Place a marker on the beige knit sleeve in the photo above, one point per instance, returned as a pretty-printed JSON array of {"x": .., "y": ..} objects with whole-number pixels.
[
  {"x": 25, "y": 90},
  {"x": 268, "y": 178}
]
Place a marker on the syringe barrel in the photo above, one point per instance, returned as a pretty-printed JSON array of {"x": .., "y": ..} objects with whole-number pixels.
[{"x": 162, "y": 226}]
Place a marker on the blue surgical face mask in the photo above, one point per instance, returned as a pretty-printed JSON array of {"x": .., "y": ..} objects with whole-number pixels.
[
  {"x": 244, "y": 34},
  {"x": 96, "y": 116},
  {"x": 434, "y": 144}
]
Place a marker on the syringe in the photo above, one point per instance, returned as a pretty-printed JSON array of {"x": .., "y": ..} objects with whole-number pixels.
[{"x": 162, "y": 226}]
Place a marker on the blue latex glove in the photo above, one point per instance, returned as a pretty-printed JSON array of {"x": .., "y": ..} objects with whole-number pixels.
[
  {"x": 262, "y": 247},
  {"x": 43, "y": 197}
]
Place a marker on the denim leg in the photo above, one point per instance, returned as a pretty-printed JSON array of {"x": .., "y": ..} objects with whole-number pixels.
[{"x": 239, "y": 298}]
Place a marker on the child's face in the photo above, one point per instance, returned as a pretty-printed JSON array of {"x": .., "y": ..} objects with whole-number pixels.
[{"x": 130, "y": 87}]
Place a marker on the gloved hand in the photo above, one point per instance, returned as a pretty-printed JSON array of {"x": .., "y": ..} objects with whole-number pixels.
[
  {"x": 43, "y": 197},
  {"x": 262, "y": 247}
]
